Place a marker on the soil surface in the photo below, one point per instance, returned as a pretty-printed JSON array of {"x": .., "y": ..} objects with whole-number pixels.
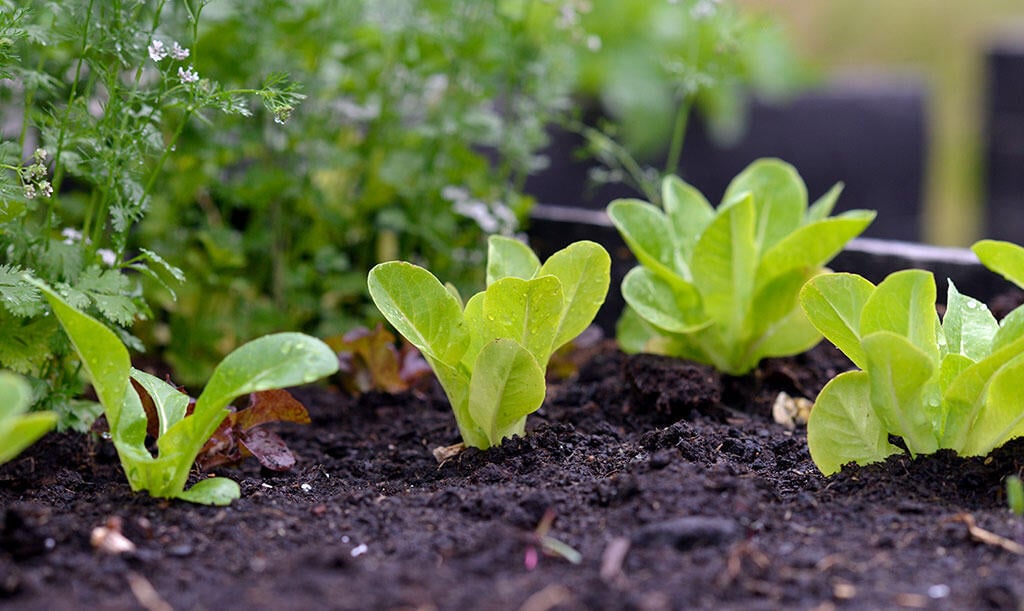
[{"x": 674, "y": 484}]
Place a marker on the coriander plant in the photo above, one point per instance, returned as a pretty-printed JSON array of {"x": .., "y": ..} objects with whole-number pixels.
[
  {"x": 102, "y": 92},
  {"x": 273, "y": 361},
  {"x": 19, "y": 430},
  {"x": 491, "y": 353},
  {"x": 422, "y": 121},
  {"x": 950, "y": 384},
  {"x": 720, "y": 286}
]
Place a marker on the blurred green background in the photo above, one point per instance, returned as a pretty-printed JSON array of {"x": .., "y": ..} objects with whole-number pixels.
[{"x": 943, "y": 43}]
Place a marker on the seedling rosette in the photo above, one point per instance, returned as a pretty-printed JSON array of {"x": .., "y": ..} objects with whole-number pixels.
[
  {"x": 720, "y": 286},
  {"x": 490, "y": 354},
  {"x": 272, "y": 361},
  {"x": 955, "y": 383}
]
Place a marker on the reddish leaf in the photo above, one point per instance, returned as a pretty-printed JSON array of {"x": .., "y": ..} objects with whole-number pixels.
[
  {"x": 268, "y": 448},
  {"x": 369, "y": 361},
  {"x": 240, "y": 436},
  {"x": 270, "y": 406}
]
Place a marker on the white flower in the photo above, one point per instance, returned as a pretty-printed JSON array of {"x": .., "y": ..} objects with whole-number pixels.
[
  {"x": 594, "y": 43},
  {"x": 157, "y": 50},
  {"x": 39, "y": 155},
  {"x": 30, "y": 191},
  {"x": 187, "y": 75},
  {"x": 46, "y": 188},
  {"x": 107, "y": 256},
  {"x": 178, "y": 52},
  {"x": 71, "y": 235}
]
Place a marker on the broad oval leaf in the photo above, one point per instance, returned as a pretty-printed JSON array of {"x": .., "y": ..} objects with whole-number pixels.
[
  {"x": 672, "y": 308},
  {"x": 508, "y": 257},
  {"x": 1004, "y": 258},
  {"x": 967, "y": 327},
  {"x": 833, "y": 303},
  {"x": 212, "y": 491},
  {"x": 646, "y": 231},
  {"x": 904, "y": 304},
  {"x": 843, "y": 428},
  {"x": 278, "y": 360},
  {"x": 813, "y": 245},
  {"x": 1002, "y": 417},
  {"x": 420, "y": 308},
  {"x": 17, "y": 429},
  {"x": 527, "y": 311},
  {"x": 724, "y": 263},
  {"x": 780, "y": 199},
  {"x": 901, "y": 379},
  {"x": 584, "y": 271},
  {"x": 689, "y": 213},
  {"x": 506, "y": 386},
  {"x": 1010, "y": 330}
]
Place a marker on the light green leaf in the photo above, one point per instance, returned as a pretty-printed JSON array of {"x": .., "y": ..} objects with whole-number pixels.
[
  {"x": 689, "y": 213},
  {"x": 675, "y": 309},
  {"x": 780, "y": 199},
  {"x": 812, "y": 245},
  {"x": 1010, "y": 330},
  {"x": 420, "y": 308},
  {"x": 19, "y": 430},
  {"x": 647, "y": 232},
  {"x": 171, "y": 404},
  {"x": 968, "y": 326},
  {"x": 584, "y": 271},
  {"x": 780, "y": 326},
  {"x": 966, "y": 396},
  {"x": 633, "y": 332},
  {"x": 527, "y": 311},
  {"x": 834, "y": 303},
  {"x": 1004, "y": 258},
  {"x": 904, "y": 304},
  {"x": 1002, "y": 417},
  {"x": 507, "y": 385},
  {"x": 507, "y": 257},
  {"x": 723, "y": 265},
  {"x": 843, "y": 428},
  {"x": 899, "y": 373},
  {"x": 824, "y": 205},
  {"x": 212, "y": 491}
]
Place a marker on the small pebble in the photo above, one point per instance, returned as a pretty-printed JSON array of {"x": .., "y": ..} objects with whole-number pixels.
[{"x": 359, "y": 550}]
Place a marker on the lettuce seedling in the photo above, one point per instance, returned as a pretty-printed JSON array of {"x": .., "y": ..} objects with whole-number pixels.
[
  {"x": 368, "y": 360},
  {"x": 950, "y": 384},
  {"x": 242, "y": 433},
  {"x": 720, "y": 286},
  {"x": 19, "y": 430},
  {"x": 490, "y": 355},
  {"x": 273, "y": 361}
]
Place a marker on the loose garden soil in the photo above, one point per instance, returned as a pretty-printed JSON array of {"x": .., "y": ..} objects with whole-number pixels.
[{"x": 675, "y": 485}]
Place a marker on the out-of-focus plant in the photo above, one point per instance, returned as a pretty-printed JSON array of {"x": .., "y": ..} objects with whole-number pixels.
[
  {"x": 652, "y": 64},
  {"x": 19, "y": 430},
  {"x": 101, "y": 91},
  {"x": 422, "y": 121}
]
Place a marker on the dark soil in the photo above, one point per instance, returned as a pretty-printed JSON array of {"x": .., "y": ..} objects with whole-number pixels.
[{"x": 674, "y": 484}]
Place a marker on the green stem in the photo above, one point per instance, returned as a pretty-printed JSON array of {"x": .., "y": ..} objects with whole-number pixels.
[{"x": 675, "y": 149}]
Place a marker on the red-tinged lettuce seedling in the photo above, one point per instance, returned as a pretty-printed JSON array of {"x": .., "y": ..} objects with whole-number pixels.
[
  {"x": 272, "y": 361},
  {"x": 18, "y": 429},
  {"x": 951, "y": 384},
  {"x": 720, "y": 286},
  {"x": 491, "y": 353},
  {"x": 368, "y": 360},
  {"x": 243, "y": 434}
]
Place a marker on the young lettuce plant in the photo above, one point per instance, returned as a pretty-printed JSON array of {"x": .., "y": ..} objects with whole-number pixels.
[
  {"x": 19, "y": 430},
  {"x": 720, "y": 286},
  {"x": 950, "y": 384},
  {"x": 490, "y": 355},
  {"x": 272, "y": 361}
]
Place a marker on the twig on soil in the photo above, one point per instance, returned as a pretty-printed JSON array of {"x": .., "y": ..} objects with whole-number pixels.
[
  {"x": 149, "y": 599},
  {"x": 988, "y": 537},
  {"x": 544, "y": 600},
  {"x": 613, "y": 558}
]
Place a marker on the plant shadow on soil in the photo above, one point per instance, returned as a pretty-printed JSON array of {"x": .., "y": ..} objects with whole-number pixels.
[{"x": 673, "y": 482}]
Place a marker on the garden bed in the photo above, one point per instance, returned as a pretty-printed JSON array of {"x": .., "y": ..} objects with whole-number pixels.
[{"x": 675, "y": 485}]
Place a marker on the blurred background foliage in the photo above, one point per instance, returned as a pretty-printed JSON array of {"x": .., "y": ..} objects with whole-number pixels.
[{"x": 943, "y": 42}]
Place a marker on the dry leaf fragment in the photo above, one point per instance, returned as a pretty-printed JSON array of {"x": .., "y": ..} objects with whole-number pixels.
[{"x": 988, "y": 537}]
